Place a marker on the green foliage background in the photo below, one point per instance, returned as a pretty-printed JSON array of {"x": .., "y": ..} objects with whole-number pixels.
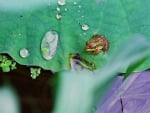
[{"x": 24, "y": 27}]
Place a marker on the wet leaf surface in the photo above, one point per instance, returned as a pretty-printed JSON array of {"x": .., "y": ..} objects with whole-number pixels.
[{"x": 78, "y": 21}]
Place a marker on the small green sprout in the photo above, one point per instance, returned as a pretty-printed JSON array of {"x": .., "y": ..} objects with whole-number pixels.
[
  {"x": 35, "y": 72},
  {"x": 5, "y": 67},
  {"x": 6, "y": 64},
  {"x": 13, "y": 66}
]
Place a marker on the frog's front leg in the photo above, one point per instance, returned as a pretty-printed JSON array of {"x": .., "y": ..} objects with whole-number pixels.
[{"x": 76, "y": 60}]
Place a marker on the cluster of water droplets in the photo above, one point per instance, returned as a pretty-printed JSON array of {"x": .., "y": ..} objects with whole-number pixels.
[
  {"x": 49, "y": 42},
  {"x": 84, "y": 26},
  {"x": 48, "y": 46},
  {"x": 61, "y": 3},
  {"x": 58, "y": 9}
]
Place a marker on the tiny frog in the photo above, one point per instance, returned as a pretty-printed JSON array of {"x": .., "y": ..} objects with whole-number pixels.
[
  {"x": 97, "y": 44},
  {"x": 77, "y": 59}
]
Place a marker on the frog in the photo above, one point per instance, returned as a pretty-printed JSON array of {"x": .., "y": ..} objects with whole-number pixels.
[
  {"x": 97, "y": 44},
  {"x": 77, "y": 59}
]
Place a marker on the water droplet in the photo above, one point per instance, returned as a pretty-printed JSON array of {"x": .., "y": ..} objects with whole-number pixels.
[
  {"x": 82, "y": 16},
  {"x": 84, "y": 33},
  {"x": 58, "y": 16},
  {"x": 66, "y": 9},
  {"x": 75, "y": 3},
  {"x": 79, "y": 6},
  {"x": 24, "y": 52},
  {"x": 49, "y": 45},
  {"x": 61, "y": 2},
  {"x": 85, "y": 27},
  {"x": 58, "y": 9},
  {"x": 19, "y": 34}
]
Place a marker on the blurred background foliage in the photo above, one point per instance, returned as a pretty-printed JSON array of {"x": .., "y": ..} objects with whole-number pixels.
[{"x": 8, "y": 100}]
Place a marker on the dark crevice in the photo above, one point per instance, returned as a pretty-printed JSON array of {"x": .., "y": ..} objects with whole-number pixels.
[
  {"x": 35, "y": 96},
  {"x": 122, "y": 107}
]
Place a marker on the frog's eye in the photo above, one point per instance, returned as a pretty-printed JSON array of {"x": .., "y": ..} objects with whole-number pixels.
[{"x": 91, "y": 64}]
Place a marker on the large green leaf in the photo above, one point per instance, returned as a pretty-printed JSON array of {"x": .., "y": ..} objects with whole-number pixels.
[{"x": 22, "y": 26}]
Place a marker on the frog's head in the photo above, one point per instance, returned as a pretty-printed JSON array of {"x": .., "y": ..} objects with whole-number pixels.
[
  {"x": 93, "y": 46},
  {"x": 96, "y": 44}
]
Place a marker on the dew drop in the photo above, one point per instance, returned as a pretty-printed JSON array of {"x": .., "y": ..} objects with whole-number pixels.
[
  {"x": 24, "y": 52},
  {"x": 84, "y": 33},
  {"x": 85, "y": 27},
  {"x": 49, "y": 45},
  {"x": 79, "y": 6},
  {"x": 61, "y": 2},
  {"x": 58, "y": 9},
  {"x": 58, "y": 16},
  {"x": 82, "y": 16},
  {"x": 66, "y": 9},
  {"x": 75, "y": 3},
  {"x": 19, "y": 34}
]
